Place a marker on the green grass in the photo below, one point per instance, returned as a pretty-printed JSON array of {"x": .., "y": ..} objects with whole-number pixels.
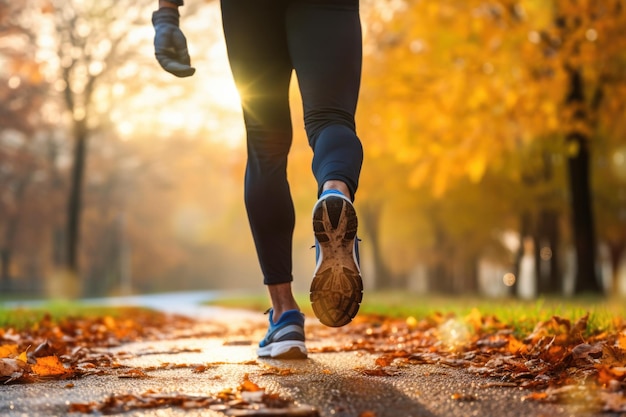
[
  {"x": 23, "y": 318},
  {"x": 522, "y": 315}
]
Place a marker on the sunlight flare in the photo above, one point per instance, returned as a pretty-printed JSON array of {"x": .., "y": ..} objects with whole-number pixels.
[{"x": 454, "y": 334}]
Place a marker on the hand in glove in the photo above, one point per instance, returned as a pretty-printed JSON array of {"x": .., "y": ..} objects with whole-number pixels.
[{"x": 170, "y": 45}]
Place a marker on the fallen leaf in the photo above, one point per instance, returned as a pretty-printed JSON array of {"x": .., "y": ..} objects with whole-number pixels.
[
  {"x": 199, "y": 369},
  {"x": 463, "y": 397},
  {"x": 376, "y": 372},
  {"x": 134, "y": 373},
  {"x": 248, "y": 385},
  {"x": 9, "y": 367},
  {"x": 49, "y": 366},
  {"x": 85, "y": 408},
  {"x": 44, "y": 349},
  {"x": 606, "y": 374},
  {"x": 613, "y": 402},
  {"x": 580, "y": 327},
  {"x": 384, "y": 361},
  {"x": 621, "y": 340},
  {"x": 535, "y": 396},
  {"x": 587, "y": 352},
  {"x": 228, "y": 401},
  {"x": 8, "y": 351},
  {"x": 517, "y": 346},
  {"x": 273, "y": 370}
]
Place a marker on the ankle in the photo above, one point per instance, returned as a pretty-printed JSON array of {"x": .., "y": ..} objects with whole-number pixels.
[
  {"x": 282, "y": 299},
  {"x": 337, "y": 185},
  {"x": 278, "y": 313}
]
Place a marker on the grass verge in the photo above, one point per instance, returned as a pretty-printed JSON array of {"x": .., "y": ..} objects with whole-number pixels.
[
  {"x": 522, "y": 315},
  {"x": 21, "y": 318}
]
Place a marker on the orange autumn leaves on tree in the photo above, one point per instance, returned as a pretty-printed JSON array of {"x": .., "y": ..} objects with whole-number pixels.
[
  {"x": 459, "y": 68},
  {"x": 467, "y": 85}
]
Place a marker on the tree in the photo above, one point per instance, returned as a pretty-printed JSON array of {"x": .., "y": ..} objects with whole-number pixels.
[
  {"x": 449, "y": 76},
  {"x": 92, "y": 41},
  {"x": 469, "y": 86},
  {"x": 21, "y": 132},
  {"x": 583, "y": 47}
]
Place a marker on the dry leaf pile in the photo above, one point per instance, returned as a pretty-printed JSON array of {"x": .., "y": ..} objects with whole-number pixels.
[
  {"x": 73, "y": 346},
  {"x": 247, "y": 400},
  {"x": 560, "y": 361}
]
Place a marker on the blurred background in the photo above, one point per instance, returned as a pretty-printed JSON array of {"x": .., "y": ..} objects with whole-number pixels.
[{"x": 494, "y": 136}]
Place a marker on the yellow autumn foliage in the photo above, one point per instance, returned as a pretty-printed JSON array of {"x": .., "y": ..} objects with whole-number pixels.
[{"x": 491, "y": 73}]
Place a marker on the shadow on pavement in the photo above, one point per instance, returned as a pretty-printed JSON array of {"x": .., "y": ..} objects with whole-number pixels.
[{"x": 341, "y": 393}]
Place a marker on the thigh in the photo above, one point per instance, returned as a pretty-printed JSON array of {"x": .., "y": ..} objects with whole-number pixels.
[
  {"x": 256, "y": 43},
  {"x": 325, "y": 44}
]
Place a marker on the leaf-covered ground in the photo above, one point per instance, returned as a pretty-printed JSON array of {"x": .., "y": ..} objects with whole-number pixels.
[{"x": 560, "y": 361}]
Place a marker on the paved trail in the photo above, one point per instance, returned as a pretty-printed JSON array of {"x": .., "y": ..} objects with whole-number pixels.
[{"x": 334, "y": 384}]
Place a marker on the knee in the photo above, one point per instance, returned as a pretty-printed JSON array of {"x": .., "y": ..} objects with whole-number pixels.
[{"x": 321, "y": 121}]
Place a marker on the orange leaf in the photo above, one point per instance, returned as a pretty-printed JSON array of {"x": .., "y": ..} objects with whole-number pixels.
[
  {"x": 198, "y": 369},
  {"x": 536, "y": 396},
  {"x": 384, "y": 361},
  {"x": 134, "y": 373},
  {"x": 517, "y": 347},
  {"x": 49, "y": 366},
  {"x": 8, "y": 351},
  {"x": 474, "y": 319},
  {"x": 109, "y": 322},
  {"x": 621, "y": 340},
  {"x": 248, "y": 385}
]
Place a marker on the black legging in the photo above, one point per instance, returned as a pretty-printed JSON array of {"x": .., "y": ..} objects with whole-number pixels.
[{"x": 266, "y": 40}]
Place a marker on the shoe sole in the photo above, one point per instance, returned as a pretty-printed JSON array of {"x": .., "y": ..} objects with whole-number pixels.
[
  {"x": 288, "y": 349},
  {"x": 337, "y": 288}
]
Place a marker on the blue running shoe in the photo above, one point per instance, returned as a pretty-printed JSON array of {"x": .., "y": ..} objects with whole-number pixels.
[
  {"x": 337, "y": 287},
  {"x": 285, "y": 338}
]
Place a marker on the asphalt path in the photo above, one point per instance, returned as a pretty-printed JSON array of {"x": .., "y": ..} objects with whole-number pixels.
[{"x": 330, "y": 383}]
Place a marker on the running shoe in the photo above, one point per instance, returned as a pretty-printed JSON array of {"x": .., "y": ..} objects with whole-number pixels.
[
  {"x": 285, "y": 338},
  {"x": 337, "y": 288}
]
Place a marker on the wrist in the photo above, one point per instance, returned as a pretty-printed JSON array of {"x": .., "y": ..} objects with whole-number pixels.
[
  {"x": 166, "y": 15},
  {"x": 172, "y": 4}
]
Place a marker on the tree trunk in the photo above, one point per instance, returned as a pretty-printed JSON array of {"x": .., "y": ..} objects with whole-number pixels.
[
  {"x": 466, "y": 274},
  {"x": 580, "y": 189},
  {"x": 547, "y": 249},
  {"x": 370, "y": 217},
  {"x": 10, "y": 233},
  {"x": 616, "y": 249},
  {"x": 440, "y": 274},
  {"x": 5, "y": 269},
  {"x": 6, "y": 253},
  {"x": 74, "y": 206}
]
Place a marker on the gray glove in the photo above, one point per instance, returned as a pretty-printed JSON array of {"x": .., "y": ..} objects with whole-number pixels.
[{"x": 170, "y": 45}]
